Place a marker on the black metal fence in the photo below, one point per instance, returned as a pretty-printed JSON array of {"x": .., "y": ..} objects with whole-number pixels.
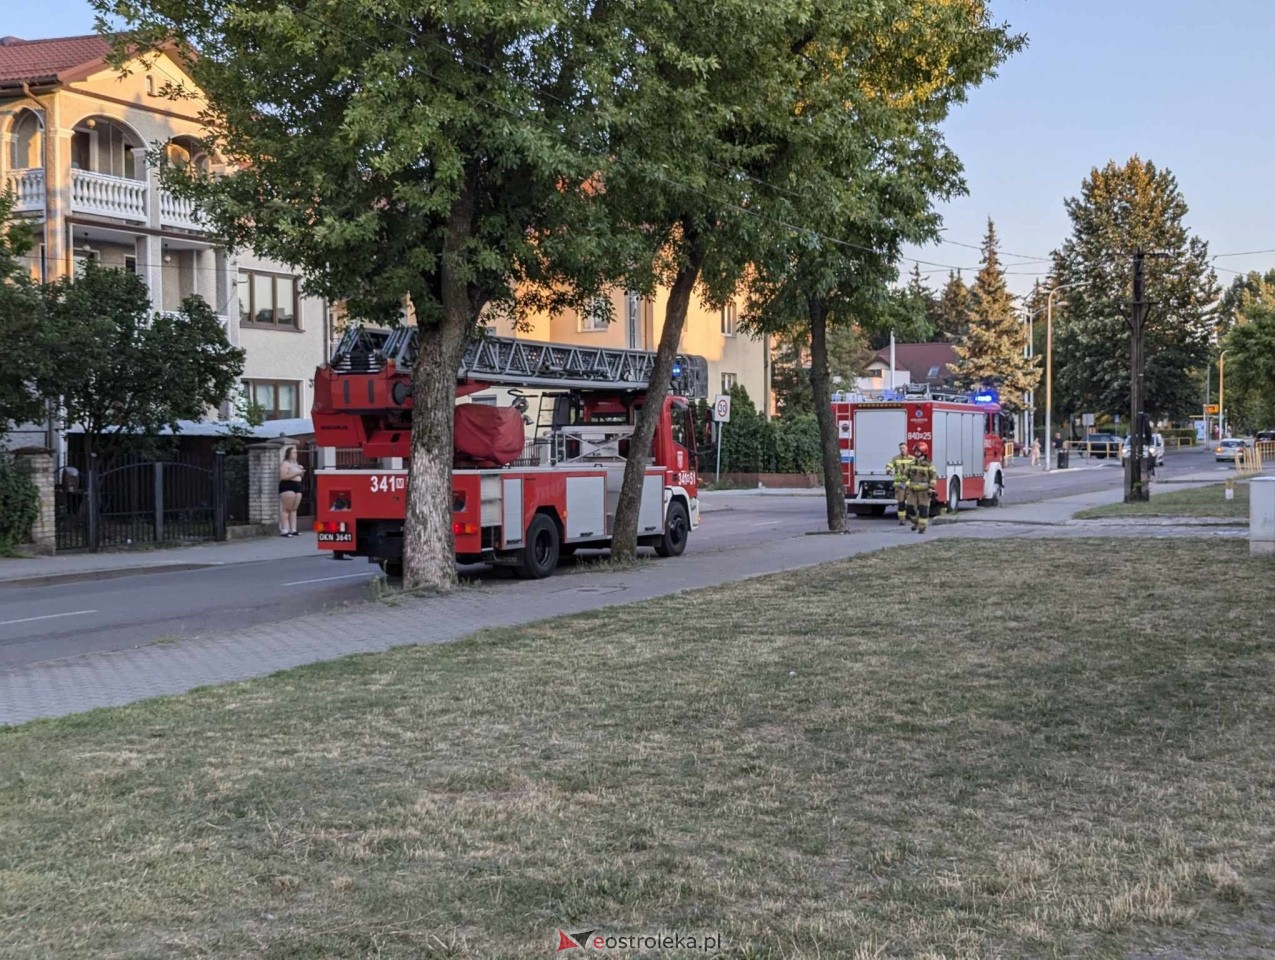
[{"x": 134, "y": 500}]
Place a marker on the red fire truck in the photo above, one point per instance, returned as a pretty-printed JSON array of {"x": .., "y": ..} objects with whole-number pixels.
[
  {"x": 964, "y": 433},
  {"x": 516, "y": 500}
]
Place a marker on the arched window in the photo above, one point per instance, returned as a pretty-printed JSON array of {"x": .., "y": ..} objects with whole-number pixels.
[{"x": 28, "y": 141}]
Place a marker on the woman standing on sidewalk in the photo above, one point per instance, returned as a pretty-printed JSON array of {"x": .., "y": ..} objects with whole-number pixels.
[
  {"x": 290, "y": 474},
  {"x": 1036, "y": 452}
]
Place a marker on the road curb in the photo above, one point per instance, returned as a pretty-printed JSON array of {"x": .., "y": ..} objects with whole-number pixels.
[{"x": 110, "y": 573}]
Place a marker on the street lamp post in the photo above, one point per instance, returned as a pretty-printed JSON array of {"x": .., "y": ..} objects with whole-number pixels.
[
  {"x": 1049, "y": 372},
  {"x": 1221, "y": 395}
]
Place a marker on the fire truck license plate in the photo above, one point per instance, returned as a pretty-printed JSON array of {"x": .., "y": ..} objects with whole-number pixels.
[{"x": 336, "y": 538}]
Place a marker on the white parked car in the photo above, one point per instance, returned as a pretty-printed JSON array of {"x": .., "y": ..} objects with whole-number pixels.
[{"x": 1156, "y": 447}]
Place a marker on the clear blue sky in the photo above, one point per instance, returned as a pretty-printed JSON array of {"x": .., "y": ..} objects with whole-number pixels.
[{"x": 1185, "y": 83}]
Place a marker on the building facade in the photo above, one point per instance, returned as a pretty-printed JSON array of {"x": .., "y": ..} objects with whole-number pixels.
[{"x": 79, "y": 147}]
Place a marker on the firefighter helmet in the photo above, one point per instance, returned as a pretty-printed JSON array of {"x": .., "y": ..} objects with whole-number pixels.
[{"x": 921, "y": 449}]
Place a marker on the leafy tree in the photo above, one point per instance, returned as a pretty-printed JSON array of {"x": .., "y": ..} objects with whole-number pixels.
[
  {"x": 440, "y": 155},
  {"x": 706, "y": 92},
  {"x": 904, "y": 312},
  {"x": 875, "y": 94},
  {"x": 20, "y": 322},
  {"x": 790, "y": 366},
  {"x": 121, "y": 372},
  {"x": 1122, "y": 208},
  {"x": 991, "y": 351},
  {"x": 953, "y": 309},
  {"x": 1250, "y": 365},
  {"x": 1242, "y": 290}
]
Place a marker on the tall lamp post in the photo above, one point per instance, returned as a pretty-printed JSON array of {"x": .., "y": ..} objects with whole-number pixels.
[
  {"x": 1049, "y": 372},
  {"x": 1221, "y": 395}
]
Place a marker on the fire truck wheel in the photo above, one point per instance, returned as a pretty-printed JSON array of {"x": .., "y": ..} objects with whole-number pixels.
[
  {"x": 954, "y": 496},
  {"x": 677, "y": 527},
  {"x": 994, "y": 500},
  {"x": 540, "y": 557}
]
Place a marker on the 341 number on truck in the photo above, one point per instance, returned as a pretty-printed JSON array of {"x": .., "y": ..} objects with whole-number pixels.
[{"x": 517, "y": 501}]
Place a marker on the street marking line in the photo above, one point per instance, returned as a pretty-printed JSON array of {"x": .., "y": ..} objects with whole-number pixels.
[
  {"x": 768, "y": 523},
  {"x": 348, "y": 576},
  {"x": 50, "y": 616}
]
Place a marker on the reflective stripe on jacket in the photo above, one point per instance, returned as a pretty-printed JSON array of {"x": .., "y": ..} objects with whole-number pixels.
[
  {"x": 922, "y": 475},
  {"x": 899, "y": 467}
]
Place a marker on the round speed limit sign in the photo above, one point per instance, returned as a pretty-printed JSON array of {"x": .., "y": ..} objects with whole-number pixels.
[{"x": 721, "y": 408}]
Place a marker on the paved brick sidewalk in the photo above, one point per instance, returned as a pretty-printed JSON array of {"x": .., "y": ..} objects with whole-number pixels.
[{"x": 56, "y": 688}]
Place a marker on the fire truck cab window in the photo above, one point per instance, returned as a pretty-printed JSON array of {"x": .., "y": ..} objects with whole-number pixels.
[{"x": 683, "y": 428}]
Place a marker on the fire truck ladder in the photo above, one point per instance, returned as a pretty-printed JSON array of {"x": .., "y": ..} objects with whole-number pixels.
[{"x": 529, "y": 363}]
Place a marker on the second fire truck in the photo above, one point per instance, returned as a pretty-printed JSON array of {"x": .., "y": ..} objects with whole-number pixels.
[
  {"x": 963, "y": 432},
  {"x": 516, "y": 501}
]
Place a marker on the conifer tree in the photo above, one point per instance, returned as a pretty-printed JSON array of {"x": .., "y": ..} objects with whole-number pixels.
[
  {"x": 991, "y": 352},
  {"x": 953, "y": 309}
]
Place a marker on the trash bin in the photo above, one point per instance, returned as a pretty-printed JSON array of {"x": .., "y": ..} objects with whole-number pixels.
[{"x": 1063, "y": 457}]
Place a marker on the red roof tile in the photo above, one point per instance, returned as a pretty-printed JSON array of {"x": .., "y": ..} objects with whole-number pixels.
[
  {"x": 920, "y": 358},
  {"x": 34, "y": 61}
]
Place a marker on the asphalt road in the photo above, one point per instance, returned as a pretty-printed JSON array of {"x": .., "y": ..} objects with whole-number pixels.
[{"x": 50, "y": 622}]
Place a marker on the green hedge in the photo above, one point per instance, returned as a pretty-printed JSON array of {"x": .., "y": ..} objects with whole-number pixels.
[
  {"x": 752, "y": 444},
  {"x": 19, "y": 506}
]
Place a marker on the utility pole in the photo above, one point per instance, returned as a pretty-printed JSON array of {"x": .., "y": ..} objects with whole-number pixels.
[{"x": 1135, "y": 472}]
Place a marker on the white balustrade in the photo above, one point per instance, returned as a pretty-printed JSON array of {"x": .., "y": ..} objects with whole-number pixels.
[
  {"x": 178, "y": 212},
  {"x": 28, "y": 190},
  {"x": 108, "y": 196}
]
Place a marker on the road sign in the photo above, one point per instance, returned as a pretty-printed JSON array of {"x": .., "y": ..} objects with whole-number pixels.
[
  {"x": 721, "y": 408},
  {"x": 1210, "y": 409},
  {"x": 1087, "y": 419}
]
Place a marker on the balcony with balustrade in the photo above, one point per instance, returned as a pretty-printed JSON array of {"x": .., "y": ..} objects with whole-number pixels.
[
  {"x": 109, "y": 176},
  {"x": 28, "y": 190}
]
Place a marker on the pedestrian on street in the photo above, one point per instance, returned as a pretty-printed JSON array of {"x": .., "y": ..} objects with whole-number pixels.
[
  {"x": 922, "y": 482},
  {"x": 290, "y": 474},
  {"x": 1036, "y": 452},
  {"x": 898, "y": 467}
]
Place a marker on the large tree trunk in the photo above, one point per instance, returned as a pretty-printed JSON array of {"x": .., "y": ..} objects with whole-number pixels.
[
  {"x": 429, "y": 551},
  {"x": 429, "y": 556},
  {"x": 834, "y": 492},
  {"x": 624, "y": 533}
]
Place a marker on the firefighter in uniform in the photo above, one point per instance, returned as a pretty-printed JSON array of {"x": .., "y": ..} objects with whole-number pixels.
[
  {"x": 922, "y": 479},
  {"x": 898, "y": 467}
]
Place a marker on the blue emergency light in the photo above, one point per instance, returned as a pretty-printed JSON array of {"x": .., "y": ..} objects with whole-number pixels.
[
  {"x": 987, "y": 396},
  {"x": 677, "y": 371}
]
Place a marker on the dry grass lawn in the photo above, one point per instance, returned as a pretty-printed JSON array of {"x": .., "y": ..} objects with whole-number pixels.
[
  {"x": 1207, "y": 501},
  {"x": 1060, "y": 749}
]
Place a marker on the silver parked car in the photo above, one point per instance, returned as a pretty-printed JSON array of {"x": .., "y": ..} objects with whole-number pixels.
[{"x": 1156, "y": 447}]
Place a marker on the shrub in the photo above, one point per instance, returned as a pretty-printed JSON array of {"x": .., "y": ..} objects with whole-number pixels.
[{"x": 19, "y": 506}]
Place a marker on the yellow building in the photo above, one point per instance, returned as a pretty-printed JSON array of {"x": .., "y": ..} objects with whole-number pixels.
[
  {"x": 635, "y": 323},
  {"x": 78, "y": 148}
]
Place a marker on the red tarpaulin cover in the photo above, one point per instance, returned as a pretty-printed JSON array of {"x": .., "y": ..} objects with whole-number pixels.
[{"x": 488, "y": 436}]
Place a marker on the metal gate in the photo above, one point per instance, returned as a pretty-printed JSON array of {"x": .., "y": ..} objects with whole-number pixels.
[{"x": 136, "y": 501}]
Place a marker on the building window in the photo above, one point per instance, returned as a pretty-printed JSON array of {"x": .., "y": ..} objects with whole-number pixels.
[
  {"x": 728, "y": 380},
  {"x": 268, "y": 300},
  {"x": 595, "y": 315},
  {"x": 633, "y": 318},
  {"x": 130, "y": 264},
  {"x": 728, "y": 319},
  {"x": 278, "y": 399}
]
